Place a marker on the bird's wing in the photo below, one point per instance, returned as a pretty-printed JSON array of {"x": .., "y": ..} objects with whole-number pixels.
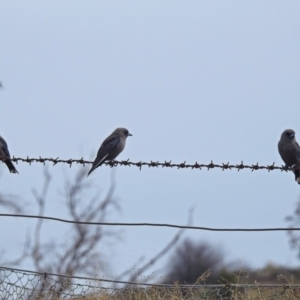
[
  {"x": 3, "y": 147},
  {"x": 298, "y": 151},
  {"x": 106, "y": 148}
]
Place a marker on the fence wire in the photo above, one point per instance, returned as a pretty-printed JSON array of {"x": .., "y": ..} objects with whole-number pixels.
[
  {"x": 29, "y": 285},
  {"x": 155, "y": 164},
  {"x": 152, "y": 224}
]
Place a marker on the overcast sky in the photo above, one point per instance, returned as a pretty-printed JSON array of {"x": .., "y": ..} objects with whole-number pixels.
[{"x": 191, "y": 80}]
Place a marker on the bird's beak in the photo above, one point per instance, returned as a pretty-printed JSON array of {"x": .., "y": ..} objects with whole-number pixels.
[
  {"x": 129, "y": 134},
  {"x": 292, "y": 135}
]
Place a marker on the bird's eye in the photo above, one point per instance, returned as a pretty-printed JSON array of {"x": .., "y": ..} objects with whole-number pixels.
[{"x": 291, "y": 134}]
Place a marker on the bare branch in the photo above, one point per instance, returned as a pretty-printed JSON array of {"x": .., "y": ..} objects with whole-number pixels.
[
  {"x": 37, "y": 254},
  {"x": 159, "y": 255},
  {"x": 12, "y": 203}
]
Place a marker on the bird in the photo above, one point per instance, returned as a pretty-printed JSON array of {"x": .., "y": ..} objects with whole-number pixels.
[
  {"x": 289, "y": 151},
  {"x": 5, "y": 156},
  {"x": 111, "y": 147}
]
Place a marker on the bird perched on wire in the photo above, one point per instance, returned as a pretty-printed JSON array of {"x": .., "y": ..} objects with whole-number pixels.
[
  {"x": 289, "y": 151},
  {"x": 111, "y": 147},
  {"x": 5, "y": 156}
]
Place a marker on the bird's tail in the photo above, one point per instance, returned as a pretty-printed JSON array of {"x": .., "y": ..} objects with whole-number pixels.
[
  {"x": 10, "y": 166},
  {"x": 91, "y": 170},
  {"x": 297, "y": 175}
]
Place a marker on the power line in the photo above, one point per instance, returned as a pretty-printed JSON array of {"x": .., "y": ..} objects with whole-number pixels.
[
  {"x": 151, "y": 224},
  {"x": 165, "y": 164}
]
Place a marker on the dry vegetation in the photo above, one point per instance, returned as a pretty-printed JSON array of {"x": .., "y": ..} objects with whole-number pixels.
[
  {"x": 226, "y": 290},
  {"x": 241, "y": 288},
  {"x": 179, "y": 293}
]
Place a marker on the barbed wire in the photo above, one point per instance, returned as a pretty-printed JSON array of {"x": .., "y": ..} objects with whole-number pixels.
[
  {"x": 151, "y": 224},
  {"x": 165, "y": 164}
]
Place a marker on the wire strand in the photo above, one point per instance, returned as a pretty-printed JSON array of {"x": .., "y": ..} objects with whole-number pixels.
[
  {"x": 165, "y": 164},
  {"x": 151, "y": 224}
]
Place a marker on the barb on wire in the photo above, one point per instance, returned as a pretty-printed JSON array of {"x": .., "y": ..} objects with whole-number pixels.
[
  {"x": 165, "y": 164},
  {"x": 151, "y": 224}
]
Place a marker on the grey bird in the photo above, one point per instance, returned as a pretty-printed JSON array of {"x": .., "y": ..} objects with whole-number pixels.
[
  {"x": 5, "y": 156},
  {"x": 289, "y": 151},
  {"x": 111, "y": 147}
]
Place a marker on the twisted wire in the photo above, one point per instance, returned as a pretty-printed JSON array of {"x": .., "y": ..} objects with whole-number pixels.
[{"x": 165, "y": 164}]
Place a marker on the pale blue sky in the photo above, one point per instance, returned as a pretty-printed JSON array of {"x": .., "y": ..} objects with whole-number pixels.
[{"x": 191, "y": 80}]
